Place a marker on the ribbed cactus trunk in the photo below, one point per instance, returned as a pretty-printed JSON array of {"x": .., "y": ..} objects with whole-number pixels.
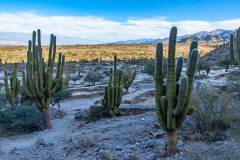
[
  {"x": 171, "y": 93},
  {"x": 231, "y": 47},
  {"x": 113, "y": 91},
  {"x": 38, "y": 82},
  {"x": 238, "y": 47},
  {"x": 173, "y": 97},
  {"x": 12, "y": 89}
]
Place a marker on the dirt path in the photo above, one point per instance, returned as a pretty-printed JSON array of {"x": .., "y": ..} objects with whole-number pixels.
[{"x": 61, "y": 127}]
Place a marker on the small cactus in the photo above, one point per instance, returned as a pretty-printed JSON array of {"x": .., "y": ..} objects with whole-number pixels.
[
  {"x": 113, "y": 91},
  {"x": 238, "y": 47},
  {"x": 231, "y": 47},
  {"x": 12, "y": 89},
  {"x": 173, "y": 97},
  {"x": 128, "y": 77}
]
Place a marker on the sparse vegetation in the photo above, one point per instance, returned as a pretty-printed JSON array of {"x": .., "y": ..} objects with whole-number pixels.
[
  {"x": 213, "y": 112},
  {"x": 75, "y": 53},
  {"x": 60, "y": 95},
  {"x": 96, "y": 106},
  {"x": 21, "y": 119},
  {"x": 92, "y": 77},
  {"x": 203, "y": 65},
  {"x": 225, "y": 62}
]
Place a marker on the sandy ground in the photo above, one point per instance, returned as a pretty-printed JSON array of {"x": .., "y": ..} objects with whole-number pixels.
[{"x": 129, "y": 137}]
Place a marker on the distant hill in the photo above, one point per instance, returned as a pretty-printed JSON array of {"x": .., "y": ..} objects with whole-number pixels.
[
  {"x": 17, "y": 39},
  {"x": 218, "y": 35}
]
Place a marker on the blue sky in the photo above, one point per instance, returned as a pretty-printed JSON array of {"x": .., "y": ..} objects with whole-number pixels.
[
  {"x": 107, "y": 20},
  {"x": 120, "y": 10}
]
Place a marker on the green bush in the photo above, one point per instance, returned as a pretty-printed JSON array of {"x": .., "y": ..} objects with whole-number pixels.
[
  {"x": 59, "y": 96},
  {"x": 92, "y": 77},
  {"x": 22, "y": 119},
  {"x": 233, "y": 76},
  {"x": 213, "y": 111},
  {"x": 149, "y": 68},
  {"x": 203, "y": 65},
  {"x": 225, "y": 62}
]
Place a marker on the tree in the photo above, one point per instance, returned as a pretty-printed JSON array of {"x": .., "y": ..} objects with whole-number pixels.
[{"x": 225, "y": 62}]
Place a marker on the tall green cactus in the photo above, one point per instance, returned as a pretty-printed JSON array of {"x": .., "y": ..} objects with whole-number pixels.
[
  {"x": 128, "y": 77},
  {"x": 238, "y": 47},
  {"x": 231, "y": 47},
  {"x": 38, "y": 82},
  {"x": 113, "y": 91},
  {"x": 12, "y": 89},
  {"x": 173, "y": 97}
]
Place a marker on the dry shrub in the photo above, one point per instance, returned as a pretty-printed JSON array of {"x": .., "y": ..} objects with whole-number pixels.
[{"x": 213, "y": 112}]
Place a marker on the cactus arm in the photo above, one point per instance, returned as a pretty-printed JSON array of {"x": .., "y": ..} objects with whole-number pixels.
[
  {"x": 179, "y": 68},
  {"x": 6, "y": 85},
  {"x": 182, "y": 96},
  {"x": 190, "y": 75},
  {"x": 231, "y": 47},
  {"x": 238, "y": 47},
  {"x": 159, "y": 85},
  {"x": 164, "y": 107},
  {"x": 171, "y": 79},
  {"x": 114, "y": 69},
  {"x": 12, "y": 89},
  {"x": 194, "y": 45}
]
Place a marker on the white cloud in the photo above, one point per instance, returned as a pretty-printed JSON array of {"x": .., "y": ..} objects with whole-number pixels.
[{"x": 100, "y": 29}]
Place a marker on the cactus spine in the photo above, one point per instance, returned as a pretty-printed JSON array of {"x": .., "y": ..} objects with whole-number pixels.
[
  {"x": 12, "y": 89},
  {"x": 231, "y": 47},
  {"x": 128, "y": 77},
  {"x": 172, "y": 98},
  {"x": 38, "y": 82},
  {"x": 113, "y": 91}
]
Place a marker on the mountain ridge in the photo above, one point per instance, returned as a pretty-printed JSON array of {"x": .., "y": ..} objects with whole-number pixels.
[
  {"x": 217, "y": 35},
  {"x": 21, "y": 39},
  {"x": 18, "y": 39}
]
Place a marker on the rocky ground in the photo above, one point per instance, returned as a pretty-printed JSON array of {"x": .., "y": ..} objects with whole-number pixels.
[{"x": 130, "y": 137}]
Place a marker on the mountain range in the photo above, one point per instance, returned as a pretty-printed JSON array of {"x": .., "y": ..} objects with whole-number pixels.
[
  {"x": 18, "y": 39},
  {"x": 12, "y": 38},
  {"x": 218, "y": 35}
]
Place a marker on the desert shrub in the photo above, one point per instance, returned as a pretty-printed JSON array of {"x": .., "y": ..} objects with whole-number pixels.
[
  {"x": 94, "y": 113},
  {"x": 149, "y": 67},
  {"x": 3, "y": 100},
  {"x": 233, "y": 76},
  {"x": 59, "y": 96},
  {"x": 76, "y": 78},
  {"x": 213, "y": 112},
  {"x": 92, "y": 77},
  {"x": 203, "y": 65},
  {"x": 106, "y": 72},
  {"x": 225, "y": 62},
  {"x": 22, "y": 119}
]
